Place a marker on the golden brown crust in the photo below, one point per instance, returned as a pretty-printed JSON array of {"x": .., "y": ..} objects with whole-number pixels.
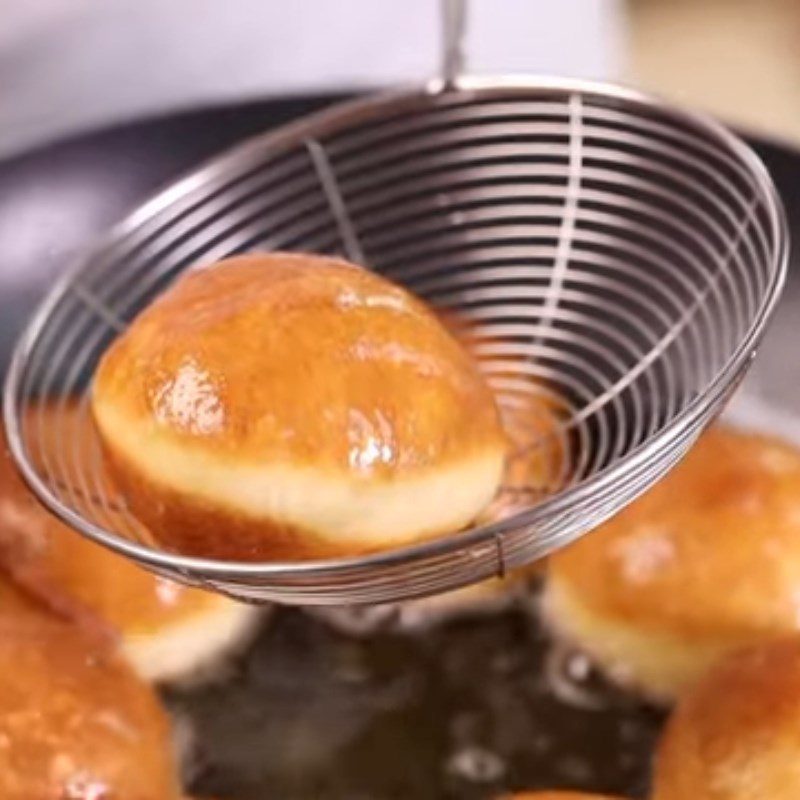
[
  {"x": 74, "y": 718},
  {"x": 558, "y": 796},
  {"x": 530, "y": 413},
  {"x": 75, "y": 577},
  {"x": 306, "y": 408},
  {"x": 712, "y": 552},
  {"x": 537, "y": 457},
  {"x": 736, "y": 734},
  {"x": 304, "y": 359}
]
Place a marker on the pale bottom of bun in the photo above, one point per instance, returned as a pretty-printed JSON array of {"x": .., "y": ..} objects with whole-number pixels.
[
  {"x": 657, "y": 664},
  {"x": 196, "y": 649},
  {"x": 199, "y": 504}
]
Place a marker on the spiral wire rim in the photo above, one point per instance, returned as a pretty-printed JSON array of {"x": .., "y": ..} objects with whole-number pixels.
[{"x": 557, "y": 196}]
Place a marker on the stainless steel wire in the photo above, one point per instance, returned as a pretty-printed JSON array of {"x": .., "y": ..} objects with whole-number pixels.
[{"x": 614, "y": 261}]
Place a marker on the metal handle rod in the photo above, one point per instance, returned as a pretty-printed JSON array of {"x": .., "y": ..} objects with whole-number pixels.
[{"x": 454, "y": 27}]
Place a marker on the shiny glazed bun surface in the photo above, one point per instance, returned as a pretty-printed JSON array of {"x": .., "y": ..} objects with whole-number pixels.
[
  {"x": 294, "y": 406},
  {"x": 168, "y": 631},
  {"x": 736, "y": 734},
  {"x": 75, "y": 722},
  {"x": 706, "y": 561}
]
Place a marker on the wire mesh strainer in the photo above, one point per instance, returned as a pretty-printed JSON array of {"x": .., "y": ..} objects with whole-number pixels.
[{"x": 614, "y": 258}]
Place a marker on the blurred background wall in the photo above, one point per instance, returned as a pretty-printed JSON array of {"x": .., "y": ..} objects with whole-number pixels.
[
  {"x": 739, "y": 59},
  {"x": 66, "y": 65}
]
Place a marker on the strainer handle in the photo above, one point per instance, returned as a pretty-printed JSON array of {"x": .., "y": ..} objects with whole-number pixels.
[{"x": 454, "y": 26}]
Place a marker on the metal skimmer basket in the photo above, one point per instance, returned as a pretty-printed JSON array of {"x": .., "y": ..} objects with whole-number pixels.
[{"x": 617, "y": 261}]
